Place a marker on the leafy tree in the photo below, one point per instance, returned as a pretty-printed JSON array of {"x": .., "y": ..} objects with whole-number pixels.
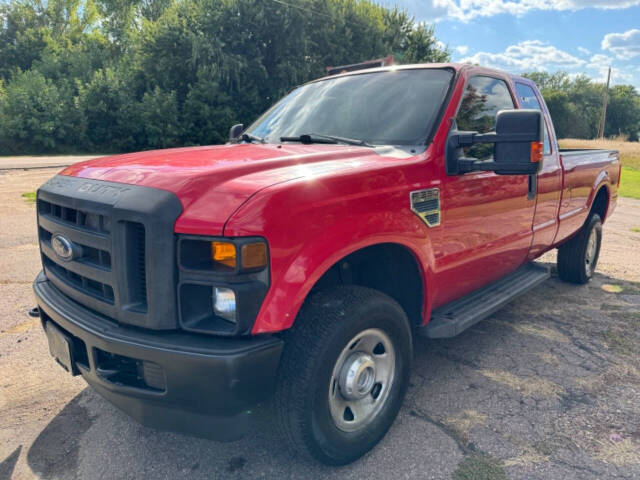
[
  {"x": 623, "y": 112},
  {"x": 575, "y": 105},
  {"x": 35, "y": 114},
  {"x": 160, "y": 117},
  {"x": 110, "y": 117},
  {"x": 119, "y": 75},
  {"x": 208, "y": 111}
]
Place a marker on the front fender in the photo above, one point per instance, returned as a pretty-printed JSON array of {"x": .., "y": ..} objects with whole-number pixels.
[
  {"x": 289, "y": 291},
  {"x": 311, "y": 225}
]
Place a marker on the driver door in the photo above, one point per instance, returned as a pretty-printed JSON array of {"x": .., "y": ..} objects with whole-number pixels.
[{"x": 486, "y": 217}]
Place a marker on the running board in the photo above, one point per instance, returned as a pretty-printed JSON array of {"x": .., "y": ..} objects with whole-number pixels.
[{"x": 455, "y": 317}]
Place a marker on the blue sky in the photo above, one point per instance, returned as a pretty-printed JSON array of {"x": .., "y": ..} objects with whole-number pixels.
[{"x": 577, "y": 36}]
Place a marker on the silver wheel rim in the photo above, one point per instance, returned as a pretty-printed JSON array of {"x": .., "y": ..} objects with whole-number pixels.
[
  {"x": 361, "y": 380},
  {"x": 592, "y": 250}
]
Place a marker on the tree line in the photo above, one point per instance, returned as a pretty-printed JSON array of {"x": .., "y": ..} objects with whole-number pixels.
[
  {"x": 125, "y": 75},
  {"x": 575, "y": 105}
]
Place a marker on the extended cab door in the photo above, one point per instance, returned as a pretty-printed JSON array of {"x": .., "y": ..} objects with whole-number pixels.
[
  {"x": 486, "y": 218},
  {"x": 548, "y": 186}
]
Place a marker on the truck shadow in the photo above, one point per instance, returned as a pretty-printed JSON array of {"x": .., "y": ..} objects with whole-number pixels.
[
  {"x": 586, "y": 328},
  {"x": 54, "y": 453}
]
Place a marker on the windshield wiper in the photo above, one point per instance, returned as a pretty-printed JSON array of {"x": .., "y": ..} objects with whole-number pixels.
[
  {"x": 318, "y": 138},
  {"x": 248, "y": 137}
]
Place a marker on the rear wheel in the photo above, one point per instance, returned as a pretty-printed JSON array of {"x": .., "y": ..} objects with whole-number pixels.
[
  {"x": 344, "y": 373},
  {"x": 578, "y": 258}
]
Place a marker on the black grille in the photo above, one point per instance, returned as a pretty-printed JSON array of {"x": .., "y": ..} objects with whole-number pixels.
[
  {"x": 90, "y": 255},
  {"x": 90, "y": 273},
  {"x": 136, "y": 238},
  {"x": 72, "y": 216},
  {"x": 95, "y": 239},
  {"x": 99, "y": 290}
]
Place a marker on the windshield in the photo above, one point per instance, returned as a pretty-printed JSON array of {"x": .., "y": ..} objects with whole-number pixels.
[{"x": 395, "y": 107}]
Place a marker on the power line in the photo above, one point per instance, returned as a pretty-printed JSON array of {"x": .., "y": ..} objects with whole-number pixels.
[
  {"x": 303, "y": 9},
  {"x": 315, "y": 12}
]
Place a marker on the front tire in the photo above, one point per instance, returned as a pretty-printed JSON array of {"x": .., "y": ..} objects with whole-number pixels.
[
  {"x": 344, "y": 373},
  {"x": 578, "y": 258}
]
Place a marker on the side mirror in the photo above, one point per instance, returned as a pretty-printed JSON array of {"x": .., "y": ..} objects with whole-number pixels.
[
  {"x": 235, "y": 131},
  {"x": 518, "y": 145}
]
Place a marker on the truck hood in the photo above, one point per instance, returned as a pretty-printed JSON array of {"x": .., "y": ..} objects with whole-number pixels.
[{"x": 212, "y": 182}]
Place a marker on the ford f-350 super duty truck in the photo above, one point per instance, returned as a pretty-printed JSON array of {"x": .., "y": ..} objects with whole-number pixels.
[{"x": 297, "y": 263}]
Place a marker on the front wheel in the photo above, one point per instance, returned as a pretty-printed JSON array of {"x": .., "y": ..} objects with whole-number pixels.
[
  {"x": 344, "y": 373},
  {"x": 578, "y": 258}
]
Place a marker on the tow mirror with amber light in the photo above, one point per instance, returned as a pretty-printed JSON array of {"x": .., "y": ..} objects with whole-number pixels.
[{"x": 518, "y": 145}]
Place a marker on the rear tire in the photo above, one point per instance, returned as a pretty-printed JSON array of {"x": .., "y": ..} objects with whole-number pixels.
[
  {"x": 578, "y": 258},
  {"x": 344, "y": 373}
]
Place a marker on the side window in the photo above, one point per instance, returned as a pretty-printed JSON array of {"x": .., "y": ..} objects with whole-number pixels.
[
  {"x": 482, "y": 100},
  {"x": 527, "y": 98}
]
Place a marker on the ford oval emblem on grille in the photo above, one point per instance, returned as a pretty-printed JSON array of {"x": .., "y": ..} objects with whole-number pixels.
[{"x": 63, "y": 247}]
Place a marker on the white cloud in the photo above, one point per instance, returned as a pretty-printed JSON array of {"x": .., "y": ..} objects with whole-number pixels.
[
  {"x": 601, "y": 63},
  {"x": 527, "y": 56},
  {"x": 584, "y": 51},
  {"x": 465, "y": 10},
  {"x": 462, "y": 49},
  {"x": 534, "y": 55},
  {"x": 624, "y": 45}
]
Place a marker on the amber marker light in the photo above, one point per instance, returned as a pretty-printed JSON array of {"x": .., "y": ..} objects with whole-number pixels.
[
  {"x": 536, "y": 152},
  {"x": 254, "y": 255},
  {"x": 224, "y": 253}
]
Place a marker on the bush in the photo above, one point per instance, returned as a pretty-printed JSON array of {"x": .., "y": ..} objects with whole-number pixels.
[
  {"x": 118, "y": 76},
  {"x": 36, "y": 115}
]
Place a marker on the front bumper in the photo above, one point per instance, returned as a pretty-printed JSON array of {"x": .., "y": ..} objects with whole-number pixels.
[{"x": 191, "y": 383}]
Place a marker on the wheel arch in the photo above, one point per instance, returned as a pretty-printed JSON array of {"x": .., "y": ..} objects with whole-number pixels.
[
  {"x": 301, "y": 280},
  {"x": 600, "y": 201},
  {"x": 390, "y": 268}
]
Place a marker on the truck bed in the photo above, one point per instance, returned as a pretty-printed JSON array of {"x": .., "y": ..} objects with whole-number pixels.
[{"x": 582, "y": 169}]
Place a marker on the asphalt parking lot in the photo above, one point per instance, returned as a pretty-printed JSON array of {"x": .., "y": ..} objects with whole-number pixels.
[{"x": 547, "y": 388}]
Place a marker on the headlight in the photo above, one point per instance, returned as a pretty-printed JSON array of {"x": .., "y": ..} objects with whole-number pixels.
[
  {"x": 222, "y": 283},
  {"x": 224, "y": 303}
]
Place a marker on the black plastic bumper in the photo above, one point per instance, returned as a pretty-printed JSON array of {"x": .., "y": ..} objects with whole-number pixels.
[{"x": 197, "y": 384}]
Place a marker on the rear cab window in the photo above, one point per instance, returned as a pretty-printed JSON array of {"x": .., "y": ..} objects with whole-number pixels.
[
  {"x": 527, "y": 99},
  {"x": 483, "y": 98}
]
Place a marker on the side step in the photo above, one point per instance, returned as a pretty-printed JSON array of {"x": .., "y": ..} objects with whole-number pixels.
[{"x": 455, "y": 317}]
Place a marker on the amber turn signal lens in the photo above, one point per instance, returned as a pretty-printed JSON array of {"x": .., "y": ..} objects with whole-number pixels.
[
  {"x": 536, "y": 152},
  {"x": 224, "y": 253},
  {"x": 254, "y": 255}
]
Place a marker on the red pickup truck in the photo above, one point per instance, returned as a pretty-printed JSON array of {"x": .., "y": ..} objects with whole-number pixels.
[{"x": 300, "y": 260}]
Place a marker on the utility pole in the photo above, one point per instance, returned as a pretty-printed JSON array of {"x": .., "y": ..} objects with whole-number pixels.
[{"x": 605, "y": 100}]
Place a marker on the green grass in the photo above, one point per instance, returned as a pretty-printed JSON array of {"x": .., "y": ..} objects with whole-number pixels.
[
  {"x": 479, "y": 466},
  {"x": 621, "y": 341},
  {"x": 629, "y": 156},
  {"x": 29, "y": 197},
  {"x": 630, "y": 183}
]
